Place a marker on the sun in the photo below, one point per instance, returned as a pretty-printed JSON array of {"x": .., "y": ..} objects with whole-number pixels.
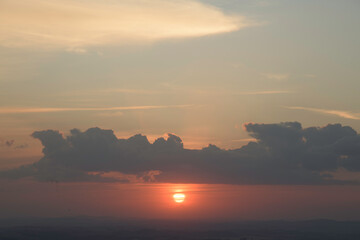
[{"x": 179, "y": 197}]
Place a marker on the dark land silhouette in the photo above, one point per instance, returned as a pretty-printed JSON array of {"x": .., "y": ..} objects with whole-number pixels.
[{"x": 108, "y": 228}]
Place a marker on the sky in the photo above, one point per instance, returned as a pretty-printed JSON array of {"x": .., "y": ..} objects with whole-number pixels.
[{"x": 254, "y": 96}]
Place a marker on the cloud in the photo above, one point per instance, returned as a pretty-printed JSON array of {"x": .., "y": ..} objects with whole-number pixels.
[
  {"x": 130, "y": 91},
  {"x": 73, "y": 25},
  {"x": 7, "y": 143},
  {"x": 22, "y": 146},
  {"x": 277, "y": 77},
  {"x": 263, "y": 92},
  {"x": 283, "y": 153},
  {"x": 180, "y": 90},
  {"x": 14, "y": 110},
  {"x": 342, "y": 114},
  {"x": 310, "y": 75}
]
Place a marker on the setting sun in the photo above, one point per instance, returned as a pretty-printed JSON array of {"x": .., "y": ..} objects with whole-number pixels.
[
  {"x": 179, "y": 119},
  {"x": 179, "y": 197}
]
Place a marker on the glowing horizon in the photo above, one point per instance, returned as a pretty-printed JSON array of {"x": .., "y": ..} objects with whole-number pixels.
[{"x": 180, "y": 109}]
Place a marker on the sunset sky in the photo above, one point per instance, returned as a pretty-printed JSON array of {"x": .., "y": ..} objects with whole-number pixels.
[{"x": 108, "y": 107}]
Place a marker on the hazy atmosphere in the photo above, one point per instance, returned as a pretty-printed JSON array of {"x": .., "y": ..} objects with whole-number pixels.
[{"x": 211, "y": 110}]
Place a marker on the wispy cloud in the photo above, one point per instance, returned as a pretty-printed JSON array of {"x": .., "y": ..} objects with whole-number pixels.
[
  {"x": 7, "y": 143},
  {"x": 130, "y": 91},
  {"x": 74, "y": 24},
  {"x": 339, "y": 113},
  {"x": 171, "y": 90},
  {"x": 310, "y": 75},
  {"x": 276, "y": 76},
  {"x": 11, "y": 110},
  {"x": 264, "y": 92},
  {"x": 181, "y": 90}
]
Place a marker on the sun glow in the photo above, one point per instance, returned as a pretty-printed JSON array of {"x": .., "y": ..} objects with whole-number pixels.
[{"x": 179, "y": 197}]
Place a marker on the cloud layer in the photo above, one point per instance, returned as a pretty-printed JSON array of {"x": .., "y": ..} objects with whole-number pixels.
[
  {"x": 15, "y": 110},
  {"x": 284, "y": 153},
  {"x": 73, "y": 25}
]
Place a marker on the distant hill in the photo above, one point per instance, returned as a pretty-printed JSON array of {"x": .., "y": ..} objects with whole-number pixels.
[{"x": 91, "y": 228}]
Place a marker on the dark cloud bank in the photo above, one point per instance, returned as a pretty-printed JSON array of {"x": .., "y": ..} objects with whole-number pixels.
[{"x": 284, "y": 153}]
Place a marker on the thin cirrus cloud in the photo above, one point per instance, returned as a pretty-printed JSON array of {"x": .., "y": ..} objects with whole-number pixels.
[
  {"x": 221, "y": 93},
  {"x": 173, "y": 91},
  {"x": 8, "y": 110},
  {"x": 339, "y": 113},
  {"x": 188, "y": 91},
  {"x": 75, "y": 25},
  {"x": 277, "y": 76}
]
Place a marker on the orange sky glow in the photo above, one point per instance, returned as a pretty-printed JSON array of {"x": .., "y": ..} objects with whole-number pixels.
[
  {"x": 156, "y": 201},
  {"x": 206, "y": 110}
]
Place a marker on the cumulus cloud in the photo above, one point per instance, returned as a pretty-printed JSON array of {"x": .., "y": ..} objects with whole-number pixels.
[
  {"x": 75, "y": 24},
  {"x": 283, "y": 153}
]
